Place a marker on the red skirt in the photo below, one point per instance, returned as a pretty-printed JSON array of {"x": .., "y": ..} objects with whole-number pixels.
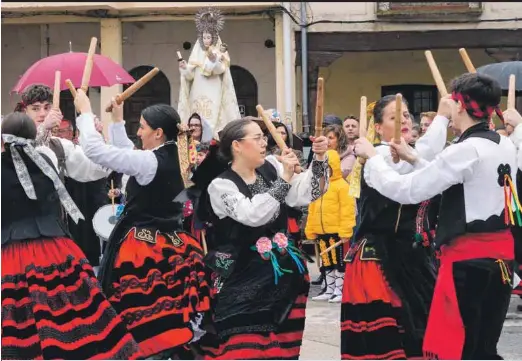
[
  {"x": 53, "y": 307},
  {"x": 283, "y": 344},
  {"x": 160, "y": 290},
  {"x": 370, "y": 313}
]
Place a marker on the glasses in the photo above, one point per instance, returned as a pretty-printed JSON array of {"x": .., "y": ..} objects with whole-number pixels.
[{"x": 259, "y": 138}]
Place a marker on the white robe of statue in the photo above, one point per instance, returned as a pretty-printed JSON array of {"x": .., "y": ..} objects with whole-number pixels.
[{"x": 207, "y": 89}]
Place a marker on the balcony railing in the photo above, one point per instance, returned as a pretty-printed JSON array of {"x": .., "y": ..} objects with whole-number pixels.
[{"x": 428, "y": 10}]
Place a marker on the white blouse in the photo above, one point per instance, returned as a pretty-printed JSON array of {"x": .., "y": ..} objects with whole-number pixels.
[
  {"x": 474, "y": 163},
  {"x": 228, "y": 201},
  {"x": 120, "y": 156}
]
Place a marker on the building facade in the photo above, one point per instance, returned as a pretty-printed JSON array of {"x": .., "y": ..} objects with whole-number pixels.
[
  {"x": 141, "y": 36},
  {"x": 359, "y": 48}
]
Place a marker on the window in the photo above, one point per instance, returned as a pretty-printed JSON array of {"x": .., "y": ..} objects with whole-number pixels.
[{"x": 421, "y": 98}]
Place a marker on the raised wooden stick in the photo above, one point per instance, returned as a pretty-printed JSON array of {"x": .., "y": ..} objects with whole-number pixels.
[
  {"x": 71, "y": 87},
  {"x": 204, "y": 242},
  {"x": 398, "y": 125},
  {"x": 57, "y": 87},
  {"x": 180, "y": 58},
  {"x": 88, "y": 65},
  {"x": 319, "y": 108},
  {"x": 467, "y": 61},
  {"x": 511, "y": 98},
  {"x": 133, "y": 88},
  {"x": 275, "y": 135},
  {"x": 436, "y": 74},
  {"x": 363, "y": 118}
]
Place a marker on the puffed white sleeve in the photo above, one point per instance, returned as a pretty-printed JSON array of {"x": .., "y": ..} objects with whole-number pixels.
[
  {"x": 118, "y": 136},
  {"x": 78, "y": 166},
  {"x": 142, "y": 164},
  {"x": 402, "y": 167},
  {"x": 452, "y": 166},
  {"x": 434, "y": 140},
  {"x": 227, "y": 201},
  {"x": 305, "y": 187},
  {"x": 516, "y": 138}
]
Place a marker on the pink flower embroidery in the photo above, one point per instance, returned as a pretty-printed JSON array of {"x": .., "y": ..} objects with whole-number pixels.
[
  {"x": 281, "y": 241},
  {"x": 264, "y": 247}
]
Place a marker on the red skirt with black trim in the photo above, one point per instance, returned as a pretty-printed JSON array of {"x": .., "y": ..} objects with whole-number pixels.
[
  {"x": 283, "y": 344},
  {"x": 160, "y": 290},
  {"x": 370, "y": 315},
  {"x": 53, "y": 307}
]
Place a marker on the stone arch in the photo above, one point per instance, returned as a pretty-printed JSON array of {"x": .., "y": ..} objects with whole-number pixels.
[{"x": 246, "y": 88}]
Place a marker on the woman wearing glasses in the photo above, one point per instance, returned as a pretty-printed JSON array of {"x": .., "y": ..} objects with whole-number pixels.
[{"x": 263, "y": 282}]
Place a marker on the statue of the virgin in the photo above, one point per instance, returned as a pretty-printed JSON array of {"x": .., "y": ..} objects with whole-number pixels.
[{"x": 206, "y": 84}]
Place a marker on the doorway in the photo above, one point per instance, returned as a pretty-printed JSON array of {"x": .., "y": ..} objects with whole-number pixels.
[{"x": 245, "y": 85}]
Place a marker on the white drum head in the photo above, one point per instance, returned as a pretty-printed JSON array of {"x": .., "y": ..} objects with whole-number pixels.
[{"x": 104, "y": 221}]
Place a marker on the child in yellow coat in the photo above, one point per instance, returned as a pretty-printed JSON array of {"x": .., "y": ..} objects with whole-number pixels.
[{"x": 331, "y": 218}]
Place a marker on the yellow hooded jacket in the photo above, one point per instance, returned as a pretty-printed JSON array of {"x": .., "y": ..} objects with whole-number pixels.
[{"x": 334, "y": 212}]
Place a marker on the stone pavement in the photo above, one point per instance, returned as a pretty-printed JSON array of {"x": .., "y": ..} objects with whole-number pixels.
[{"x": 322, "y": 334}]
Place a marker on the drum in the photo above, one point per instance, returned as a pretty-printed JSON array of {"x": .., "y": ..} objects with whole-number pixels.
[{"x": 104, "y": 221}]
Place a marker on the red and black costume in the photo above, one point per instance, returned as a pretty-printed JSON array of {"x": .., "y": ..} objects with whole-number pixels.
[{"x": 52, "y": 305}]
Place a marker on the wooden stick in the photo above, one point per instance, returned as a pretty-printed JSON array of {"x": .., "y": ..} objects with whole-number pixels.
[
  {"x": 272, "y": 129},
  {"x": 467, "y": 61},
  {"x": 88, "y": 65},
  {"x": 180, "y": 58},
  {"x": 319, "y": 108},
  {"x": 112, "y": 191},
  {"x": 57, "y": 87},
  {"x": 133, "y": 88},
  {"x": 511, "y": 98},
  {"x": 335, "y": 245},
  {"x": 436, "y": 74},
  {"x": 71, "y": 87},
  {"x": 398, "y": 125},
  {"x": 363, "y": 118}
]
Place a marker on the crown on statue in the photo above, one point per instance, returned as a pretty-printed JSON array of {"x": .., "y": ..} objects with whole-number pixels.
[{"x": 209, "y": 20}]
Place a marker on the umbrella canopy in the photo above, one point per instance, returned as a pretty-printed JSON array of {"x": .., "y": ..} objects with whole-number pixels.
[
  {"x": 502, "y": 71},
  {"x": 105, "y": 72}
]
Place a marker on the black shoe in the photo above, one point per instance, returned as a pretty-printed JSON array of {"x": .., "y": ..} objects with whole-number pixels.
[
  {"x": 519, "y": 308},
  {"x": 319, "y": 280}
]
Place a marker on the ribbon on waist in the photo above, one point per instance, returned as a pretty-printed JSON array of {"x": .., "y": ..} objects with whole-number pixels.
[
  {"x": 25, "y": 179},
  {"x": 445, "y": 333}
]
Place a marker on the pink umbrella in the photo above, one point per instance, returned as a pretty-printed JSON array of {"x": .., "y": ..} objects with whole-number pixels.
[{"x": 105, "y": 72}]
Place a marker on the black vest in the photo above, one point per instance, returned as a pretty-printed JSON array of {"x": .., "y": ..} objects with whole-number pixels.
[
  {"x": 150, "y": 205},
  {"x": 24, "y": 218},
  {"x": 452, "y": 212}
]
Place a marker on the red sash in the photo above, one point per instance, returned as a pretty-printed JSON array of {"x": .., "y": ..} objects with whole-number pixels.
[{"x": 445, "y": 333}]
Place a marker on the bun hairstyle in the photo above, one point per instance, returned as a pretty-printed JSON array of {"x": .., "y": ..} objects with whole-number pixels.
[
  {"x": 234, "y": 130},
  {"x": 162, "y": 116},
  {"x": 378, "y": 109}
]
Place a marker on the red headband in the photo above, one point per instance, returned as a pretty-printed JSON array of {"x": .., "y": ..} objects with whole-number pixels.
[{"x": 471, "y": 105}]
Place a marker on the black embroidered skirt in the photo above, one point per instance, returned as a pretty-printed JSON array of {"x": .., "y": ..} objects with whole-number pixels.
[
  {"x": 53, "y": 307},
  {"x": 160, "y": 288},
  {"x": 256, "y": 337}
]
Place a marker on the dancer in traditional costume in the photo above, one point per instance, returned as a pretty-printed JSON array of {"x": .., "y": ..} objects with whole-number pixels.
[
  {"x": 151, "y": 271},
  {"x": 263, "y": 282},
  {"x": 389, "y": 277},
  {"x": 52, "y": 305},
  {"x": 478, "y": 205},
  {"x": 84, "y": 180}
]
